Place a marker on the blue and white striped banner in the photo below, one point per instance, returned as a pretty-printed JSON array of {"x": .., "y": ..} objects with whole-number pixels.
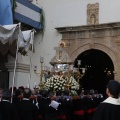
[{"x": 28, "y": 13}]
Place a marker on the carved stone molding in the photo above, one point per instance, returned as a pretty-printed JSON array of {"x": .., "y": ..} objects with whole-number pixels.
[
  {"x": 93, "y": 14},
  {"x": 20, "y": 67},
  {"x": 105, "y": 26},
  {"x": 104, "y": 37}
]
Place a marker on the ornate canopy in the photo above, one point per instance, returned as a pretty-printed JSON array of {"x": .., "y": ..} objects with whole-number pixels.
[{"x": 61, "y": 57}]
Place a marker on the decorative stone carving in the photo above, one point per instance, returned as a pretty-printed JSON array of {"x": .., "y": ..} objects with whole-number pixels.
[
  {"x": 93, "y": 14},
  {"x": 104, "y": 37},
  {"x": 61, "y": 57},
  {"x": 20, "y": 67}
]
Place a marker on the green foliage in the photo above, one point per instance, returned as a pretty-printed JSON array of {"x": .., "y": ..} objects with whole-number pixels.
[
  {"x": 14, "y": 4},
  {"x": 42, "y": 21},
  {"x": 73, "y": 93}
]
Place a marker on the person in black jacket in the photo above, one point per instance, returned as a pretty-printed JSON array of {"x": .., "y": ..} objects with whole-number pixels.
[
  {"x": 8, "y": 110},
  {"x": 109, "y": 109},
  {"x": 27, "y": 110},
  {"x": 0, "y": 116},
  {"x": 1, "y": 93}
]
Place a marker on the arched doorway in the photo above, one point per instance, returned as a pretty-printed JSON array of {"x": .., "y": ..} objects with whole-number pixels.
[{"x": 99, "y": 69}]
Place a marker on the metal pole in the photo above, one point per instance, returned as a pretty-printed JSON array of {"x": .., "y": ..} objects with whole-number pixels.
[
  {"x": 31, "y": 34},
  {"x": 14, "y": 71},
  {"x": 30, "y": 69}
]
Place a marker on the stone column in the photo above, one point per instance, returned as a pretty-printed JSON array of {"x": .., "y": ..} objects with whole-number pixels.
[{"x": 22, "y": 75}]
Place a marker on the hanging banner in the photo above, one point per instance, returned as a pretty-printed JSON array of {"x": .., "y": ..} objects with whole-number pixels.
[
  {"x": 8, "y": 37},
  {"x": 9, "y": 34},
  {"x": 27, "y": 13},
  {"x": 6, "y": 16},
  {"x": 25, "y": 39}
]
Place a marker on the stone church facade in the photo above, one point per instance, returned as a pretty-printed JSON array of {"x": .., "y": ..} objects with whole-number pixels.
[
  {"x": 82, "y": 25},
  {"x": 104, "y": 37}
]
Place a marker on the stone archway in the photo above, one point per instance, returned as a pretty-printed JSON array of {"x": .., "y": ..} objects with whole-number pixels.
[
  {"x": 104, "y": 37},
  {"x": 103, "y": 48},
  {"x": 99, "y": 69}
]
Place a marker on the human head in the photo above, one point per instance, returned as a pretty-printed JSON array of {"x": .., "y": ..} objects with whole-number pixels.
[
  {"x": 44, "y": 93},
  {"x": 14, "y": 89},
  {"x": 27, "y": 93},
  {"x": 6, "y": 94},
  {"x": 91, "y": 92},
  {"x": 113, "y": 89},
  {"x": 21, "y": 87},
  {"x": 51, "y": 94},
  {"x": 66, "y": 92},
  {"x": 58, "y": 93},
  {"x": 18, "y": 92}
]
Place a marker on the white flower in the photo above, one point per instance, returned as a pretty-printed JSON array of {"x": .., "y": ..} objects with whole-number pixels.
[{"x": 58, "y": 83}]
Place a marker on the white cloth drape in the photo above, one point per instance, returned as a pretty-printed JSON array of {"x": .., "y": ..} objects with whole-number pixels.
[
  {"x": 25, "y": 39},
  {"x": 8, "y": 37},
  {"x": 9, "y": 34}
]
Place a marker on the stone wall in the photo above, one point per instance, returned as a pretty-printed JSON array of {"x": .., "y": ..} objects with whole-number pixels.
[{"x": 104, "y": 37}]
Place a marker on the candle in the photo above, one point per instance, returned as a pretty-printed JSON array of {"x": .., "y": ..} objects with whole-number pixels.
[
  {"x": 28, "y": 86},
  {"x": 35, "y": 68},
  {"x": 71, "y": 67},
  {"x": 79, "y": 62},
  {"x": 34, "y": 85},
  {"x": 44, "y": 68},
  {"x": 48, "y": 68},
  {"x": 60, "y": 68},
  {"x": 83, "y": 70}
]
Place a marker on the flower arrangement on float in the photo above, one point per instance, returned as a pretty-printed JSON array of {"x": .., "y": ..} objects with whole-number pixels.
[{"x": 57, "y": 82}]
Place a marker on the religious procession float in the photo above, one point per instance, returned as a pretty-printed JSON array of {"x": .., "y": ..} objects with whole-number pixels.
[{"x": 63, "y": 74}]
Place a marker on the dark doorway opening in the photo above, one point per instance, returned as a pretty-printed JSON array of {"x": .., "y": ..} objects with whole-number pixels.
[
  {"x": 99, "y": 70},
  {"x": 4, "y": 74}
]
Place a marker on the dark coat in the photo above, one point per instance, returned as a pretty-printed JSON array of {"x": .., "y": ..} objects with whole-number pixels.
[
  {"x": 27, "y": 110},
  {"x": 108, "y": 111},
  {"x": 8, "y": 111}
]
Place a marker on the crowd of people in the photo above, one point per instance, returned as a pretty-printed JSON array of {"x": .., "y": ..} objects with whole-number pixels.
[{"x": 50, "y": 105}]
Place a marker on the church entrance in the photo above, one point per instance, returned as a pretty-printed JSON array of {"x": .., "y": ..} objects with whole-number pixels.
[
  {"x": 99, "y": 70},
  {"x": 4, "y": 74}
]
